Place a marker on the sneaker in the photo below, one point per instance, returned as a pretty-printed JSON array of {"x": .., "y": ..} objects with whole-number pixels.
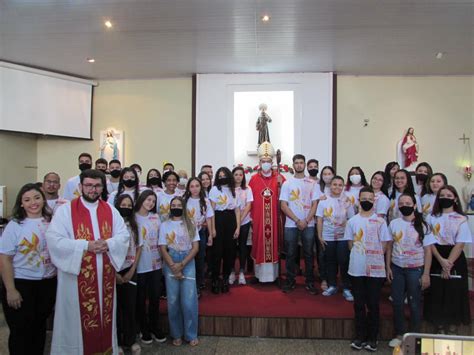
[
  {"x": 146, "y": 339},
  {"x": 159, "y": 338},
  {"x": 348, "y": 295},
  {"x": 242, "y": 279},
  {"x": 136, "y": 349},
  {"x": 395, "y": 342},
  {"x": 288, "y": 286},
  {"x": 232, "y": 278},
  {"x": 371, "y": 346},
  {"x": 357, "y": 344},
  {"x": 332, "y": 290},
  {"x": 311, "y": 289}
]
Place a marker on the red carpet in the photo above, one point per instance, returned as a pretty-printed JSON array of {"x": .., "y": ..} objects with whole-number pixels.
[{"x": 267, "y": 300}]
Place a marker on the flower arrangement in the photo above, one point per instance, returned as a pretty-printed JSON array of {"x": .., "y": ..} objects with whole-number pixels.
[{"x": 284, "y": 168}]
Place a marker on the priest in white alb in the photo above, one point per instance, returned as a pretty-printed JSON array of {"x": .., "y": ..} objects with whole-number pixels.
[{"x": 88, "y": 242}]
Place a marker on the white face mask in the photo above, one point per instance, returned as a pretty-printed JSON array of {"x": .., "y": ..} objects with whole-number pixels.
[
  {"x": 266, "y": 167},
  {"x": 183, "y": 181},
  {"x": 327, "y": 179},
  {"x": 355, "y": 179}
]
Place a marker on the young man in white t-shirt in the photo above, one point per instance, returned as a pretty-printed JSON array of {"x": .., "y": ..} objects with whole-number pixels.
[
  {"x": 51, "y": 186},
  {"x": 298, "y": 203},
  {"x": 115, "y": 168},
  {"x": 72, "y": 189}
]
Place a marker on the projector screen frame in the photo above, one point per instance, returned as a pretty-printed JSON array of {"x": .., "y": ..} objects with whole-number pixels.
[{"x": 57, "y": 75}]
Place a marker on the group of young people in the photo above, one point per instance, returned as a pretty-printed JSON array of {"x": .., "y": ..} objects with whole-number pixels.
[{"x": 406, "y": 230}]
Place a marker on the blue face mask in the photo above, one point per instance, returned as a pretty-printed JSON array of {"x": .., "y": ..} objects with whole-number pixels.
[{"x": 266, "y": 167}]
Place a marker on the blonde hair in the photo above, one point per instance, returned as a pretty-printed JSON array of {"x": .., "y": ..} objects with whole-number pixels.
[{"x": 188, "y": 222}]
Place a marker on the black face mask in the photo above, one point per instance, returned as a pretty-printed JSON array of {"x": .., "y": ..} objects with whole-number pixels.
[
  {"x": 84, "y": 166},
  {"x": 446, "y": 202},
  {"x": 154, "y": 180},
  {"x": 176, "y": 212},
  {"x": 421, "y": 177},
  {"x": 224, "y": 181},
  {"x": 406, "y": 210},
  {"x": 115, "y": 173},
  {"x": 313, "y": 172},
  {"x": 130, "y": 183},
  {"x": 125, "y": 211},
  {"x": 366, "y": 205}
]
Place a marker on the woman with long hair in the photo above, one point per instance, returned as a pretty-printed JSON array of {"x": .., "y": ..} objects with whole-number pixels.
[
  {"x": 170, "y": 178},
  {"x": 355, "y": 182},
  {"x": 227, "y": 214},
  {"x": 408, "y": 262},
  {"x": 179, "y": 244},
  {"x": 436, "y": 182},
  {"x": 29, "y": 277},
  {"x": 128, "y": 184},
  {"x": 447, "y": 302},
  {"x": 153, "y": 180},
  {"x": 378, "y": 183},
  {"x": 126, "y": 280},
  {"x": 402, "y": 184},
  {"x": 423, "y": 173},
  {"x": 390, "y": 169}
]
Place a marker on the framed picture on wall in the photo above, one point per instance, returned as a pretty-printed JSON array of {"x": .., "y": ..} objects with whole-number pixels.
[{"x": 111, "y": 144}]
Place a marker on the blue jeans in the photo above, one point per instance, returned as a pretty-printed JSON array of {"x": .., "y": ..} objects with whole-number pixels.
[
  {"x": 201, "y": 257},
  {"x": 182, "y": 299},
  {"x": 337, "y": 256},
  {"x": 291, "y": 246},
  {"x": 406, "y": 280}
]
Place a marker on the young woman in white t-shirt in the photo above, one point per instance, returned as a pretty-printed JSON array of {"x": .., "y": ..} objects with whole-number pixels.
[
  {"x": 408, "y": 260},
  {"x": 128, "y": 184},
  {"x": 245, "y": 197},
  {"x": 127, "y": 280},
  {"x": 436, "y": 182},
  {"x": 355, "y": 182},
  {"x": 447, "y": 303},
  {"x": 29, "y": 277},
  {"x": 368, "y": 236},
  {"x": 402, "y": 184},
  {"x": 153, "y": 180},
  {"x": 206, "y": 182},
  {"x": 170, "y": 178},
  {"x": 327, "y": 173},
  {"x": 227, "y": 213},
  {"x": 199, "y": 209},
  {"x": 179, "y": 244},
  {"x": 149, "y": 274},
  {"x": 423, "y": 173},
  {"x": 332, "y": 215},
  {"x": 379, "y": 185},
  {"x": 390, "y": 170}
]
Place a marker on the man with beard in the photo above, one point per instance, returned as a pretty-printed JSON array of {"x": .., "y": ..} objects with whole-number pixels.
[
  {"x": 88, "y": 242},
  {"x": 72, "y": 189},
  {"x": 265, "y": 187},
  {"x": 298, "y": 202},
  {"x": 51, "y": 186}
]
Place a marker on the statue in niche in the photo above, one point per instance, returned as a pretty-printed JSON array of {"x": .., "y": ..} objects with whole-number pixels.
[
  {"x": 262, "y": 125},
  {"x": 109, "y": 148},
  {"x": 408, "y": 149}
]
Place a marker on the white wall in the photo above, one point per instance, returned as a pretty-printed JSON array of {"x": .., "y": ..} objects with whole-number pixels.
[{"x": 312, "y": 130}]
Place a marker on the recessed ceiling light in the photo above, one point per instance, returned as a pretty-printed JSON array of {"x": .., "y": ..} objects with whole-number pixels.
[
  {"x": 265, "y": 18},
  {"x": 439, "y": 55},
  {"x": 90, "y": 60},
  {"x": 108, "y": 24}
]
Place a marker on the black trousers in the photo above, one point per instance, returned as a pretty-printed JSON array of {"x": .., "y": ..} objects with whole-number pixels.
[
  {"x": 149, "y": 288},
  {"x": 243, "y": 249},
  {"x": 366, "y": 292},
  {"x": 224, "y": 244},
  {"x": 126, "y": 311},
  {"x": 28, "y": 323}
]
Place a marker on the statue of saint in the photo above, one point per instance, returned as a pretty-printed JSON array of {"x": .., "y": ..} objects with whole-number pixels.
[
  {"x": 262, "y": 125},
  {"x": 408, "y": 149}
]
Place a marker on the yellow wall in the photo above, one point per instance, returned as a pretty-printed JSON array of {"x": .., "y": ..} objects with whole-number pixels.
[
  {"x": 155, "y": 116},
  {"x": 17, "y": 163},
  {"x": 439, "y": 108}
]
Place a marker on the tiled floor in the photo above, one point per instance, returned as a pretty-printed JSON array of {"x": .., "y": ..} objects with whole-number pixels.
[{"x": 233, "y": 345}]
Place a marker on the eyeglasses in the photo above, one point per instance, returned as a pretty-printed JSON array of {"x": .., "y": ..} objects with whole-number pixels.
[
  {"x": 93, "y": 187},
  {"x": 49, "y": 182}
]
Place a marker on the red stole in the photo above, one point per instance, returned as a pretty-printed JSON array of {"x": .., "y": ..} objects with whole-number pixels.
[{"x": 96, "y": 327}]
